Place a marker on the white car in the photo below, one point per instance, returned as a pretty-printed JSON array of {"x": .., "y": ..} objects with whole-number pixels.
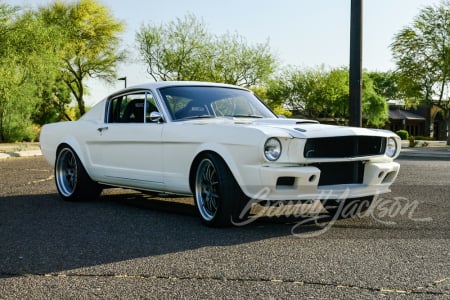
[{"x": 219, "y": 143}]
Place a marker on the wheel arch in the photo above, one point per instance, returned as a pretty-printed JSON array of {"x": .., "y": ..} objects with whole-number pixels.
[
  {"x": 225, "y": 156},
  {"x": 72, "y": 143}
]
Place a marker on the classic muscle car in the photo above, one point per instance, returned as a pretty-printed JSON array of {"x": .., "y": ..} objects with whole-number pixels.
[{"x": 219, "y": 143}]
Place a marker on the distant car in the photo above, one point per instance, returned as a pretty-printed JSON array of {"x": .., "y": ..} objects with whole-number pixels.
[{"x": 219, "y": 143}]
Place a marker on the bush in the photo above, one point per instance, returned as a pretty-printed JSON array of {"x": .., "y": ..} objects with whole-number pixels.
[
  {"x": 403, "y": 134},
  {"x": 279, "y": 110}
]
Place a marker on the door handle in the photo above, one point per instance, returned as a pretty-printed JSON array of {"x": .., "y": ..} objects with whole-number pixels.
[{"x": 100, "y": 129}]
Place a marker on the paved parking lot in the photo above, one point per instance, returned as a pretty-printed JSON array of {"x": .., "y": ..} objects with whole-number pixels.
[{"x": 130, "y": 245}]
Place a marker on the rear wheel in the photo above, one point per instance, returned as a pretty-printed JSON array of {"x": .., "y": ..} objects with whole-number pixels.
[
  {"x": 218, "y": 197},
  {"x": 72, "y": 181}
]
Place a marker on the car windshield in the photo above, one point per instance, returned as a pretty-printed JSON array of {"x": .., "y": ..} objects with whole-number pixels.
[{"x": 191, "y": 102}]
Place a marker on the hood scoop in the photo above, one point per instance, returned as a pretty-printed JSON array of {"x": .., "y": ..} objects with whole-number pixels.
[
  {"x": 300, "y": 129},
  {"x": 306, "y": 122},
  {"x": 284, "y": 122}
]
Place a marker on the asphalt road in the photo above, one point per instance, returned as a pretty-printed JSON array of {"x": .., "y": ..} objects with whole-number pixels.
[{"x": 129, "y": 245}]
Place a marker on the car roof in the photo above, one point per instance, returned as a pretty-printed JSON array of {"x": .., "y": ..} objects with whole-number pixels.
[{"x": 163, "y": 84}]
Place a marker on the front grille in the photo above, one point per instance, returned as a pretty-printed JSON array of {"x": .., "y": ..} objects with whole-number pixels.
[
  {"x": 344, "y": 146},
  {"x": 340, "y": 172}
]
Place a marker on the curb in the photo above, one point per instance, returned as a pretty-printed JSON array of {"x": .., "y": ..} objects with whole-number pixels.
[
  {"x": 4, "y": 155},
  {"x": 26, "y": 153},
  {"x": 426, "y": 153}
]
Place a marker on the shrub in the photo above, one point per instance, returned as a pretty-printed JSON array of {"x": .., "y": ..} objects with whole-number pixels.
[
  {"x": 279, "y": 110},
  {"x": 403, "y": 134}
]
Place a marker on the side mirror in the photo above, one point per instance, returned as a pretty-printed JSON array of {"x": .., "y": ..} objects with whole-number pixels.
[
  {"x": 156, "y": 117},
  {"x": 281, "y": 117}
]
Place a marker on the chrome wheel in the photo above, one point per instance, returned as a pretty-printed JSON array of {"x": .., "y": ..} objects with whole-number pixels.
[
  {"x": 218, "y": 198},
  {"x": 206, "y": 190},
  {"x": 66, "y": 171}
]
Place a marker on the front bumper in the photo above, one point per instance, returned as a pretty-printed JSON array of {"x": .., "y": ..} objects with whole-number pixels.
[{"x": 303, "y": 183}]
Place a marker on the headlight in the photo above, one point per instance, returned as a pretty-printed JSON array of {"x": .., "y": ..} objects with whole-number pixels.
[
  {"x": 391, "y": 147},
  {"x": 272, "y": 149}
]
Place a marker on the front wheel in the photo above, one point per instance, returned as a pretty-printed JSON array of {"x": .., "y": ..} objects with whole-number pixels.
[
  {"x": 72, "y": 181},
  {"x": 218, "y": 198}
]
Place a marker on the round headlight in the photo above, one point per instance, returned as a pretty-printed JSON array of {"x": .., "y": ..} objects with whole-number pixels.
[
  {"x": 272, "y": 149},
  {"x": 391, "y": 147}
]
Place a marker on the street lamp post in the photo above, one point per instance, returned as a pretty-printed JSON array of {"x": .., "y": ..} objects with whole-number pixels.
[
  {"x": 356, "y": 25},
  {"x": 124, "y": 79}
]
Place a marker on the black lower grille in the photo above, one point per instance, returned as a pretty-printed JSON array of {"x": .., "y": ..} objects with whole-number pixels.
[
  {"x": 344, "y": 146},
  {"x": 340, "y": 172}
]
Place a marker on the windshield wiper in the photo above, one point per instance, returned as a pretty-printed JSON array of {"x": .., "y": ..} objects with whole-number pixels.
[
  {"x": 246, "y": 116},
  {"x": 197, "y": 117}
]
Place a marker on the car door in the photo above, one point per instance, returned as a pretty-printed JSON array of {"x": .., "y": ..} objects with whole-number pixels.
[{"x": 128, "y": 151}]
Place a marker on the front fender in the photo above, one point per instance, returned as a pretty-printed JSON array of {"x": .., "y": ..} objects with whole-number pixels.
[{"x": 240, "y": 159}]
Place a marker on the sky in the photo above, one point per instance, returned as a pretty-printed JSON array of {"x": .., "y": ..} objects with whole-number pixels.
[{"x": 301, "y": 33}]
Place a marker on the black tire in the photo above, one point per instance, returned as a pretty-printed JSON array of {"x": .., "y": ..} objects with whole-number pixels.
[
  {"x": 72, "y": 181},
  {"x": 348, "y": 208},
  {"x": 218, "y": 198}
]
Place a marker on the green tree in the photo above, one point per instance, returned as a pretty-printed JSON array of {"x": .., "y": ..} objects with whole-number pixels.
[
  {"x": 375, "y": 110},
  {"x": 89, "y": 43},
  {"x": 233, "y": 61},
  {"x": 184, "y": 50},
  {"x": 27, "y": 65},
  {"x": 55, "y": 97},
  {"x": 300, "y": 90},
  {"x": 385, "y": 84},
  {"x": 277, "y": 108},
  {"x": 175, "y": 51},
  {"x": 422, "y": 54},
  {"x": 319, "y": 93}
]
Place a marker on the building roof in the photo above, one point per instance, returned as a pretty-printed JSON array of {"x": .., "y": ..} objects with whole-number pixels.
[{"x": 399, "y": 114}]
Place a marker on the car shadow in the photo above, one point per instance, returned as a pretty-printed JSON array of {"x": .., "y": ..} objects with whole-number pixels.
[{"x": 40, "y": 234}]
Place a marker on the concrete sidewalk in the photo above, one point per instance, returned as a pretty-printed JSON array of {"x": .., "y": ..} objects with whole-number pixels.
[
  {"x": 437, "y": 149},
  {"x": 19, "y": 150},
  {"x": 437, "y": 152}
]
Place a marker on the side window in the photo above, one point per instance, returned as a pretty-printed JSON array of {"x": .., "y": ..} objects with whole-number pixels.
[
  {"x": 150, "y": 106},
  {"x": 131, "y": 108},
  {"x": 116, "y": 108}
]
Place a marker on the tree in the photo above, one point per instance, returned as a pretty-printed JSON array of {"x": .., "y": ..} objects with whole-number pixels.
[
  {"x": 300, "y": 90},
  {"x": 319, "y": 93},
  {"x": 89, "y": 43},
  {"x": 55, "y": 96},
  {"x": 385, "y": 84},
  {"x": 175, "y": 51},
  {"x": 375, "y": 110},
  {"x": 421, "y": 52},
  {"x": 184, "y": 50},
  {"x": 233, "y": 61},
  {"x": 27, "y": 65}
]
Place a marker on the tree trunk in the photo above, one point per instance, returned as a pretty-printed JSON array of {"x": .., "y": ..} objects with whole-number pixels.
[
  {"x": 81, "y": 106},
  {"x": 448, "y": 129},
  {"x": 446, "y": 118}
]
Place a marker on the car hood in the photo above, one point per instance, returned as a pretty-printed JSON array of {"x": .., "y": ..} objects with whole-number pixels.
[
  {"x": 300, "y": 128},
  {"x": 296, "y": 128}
]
